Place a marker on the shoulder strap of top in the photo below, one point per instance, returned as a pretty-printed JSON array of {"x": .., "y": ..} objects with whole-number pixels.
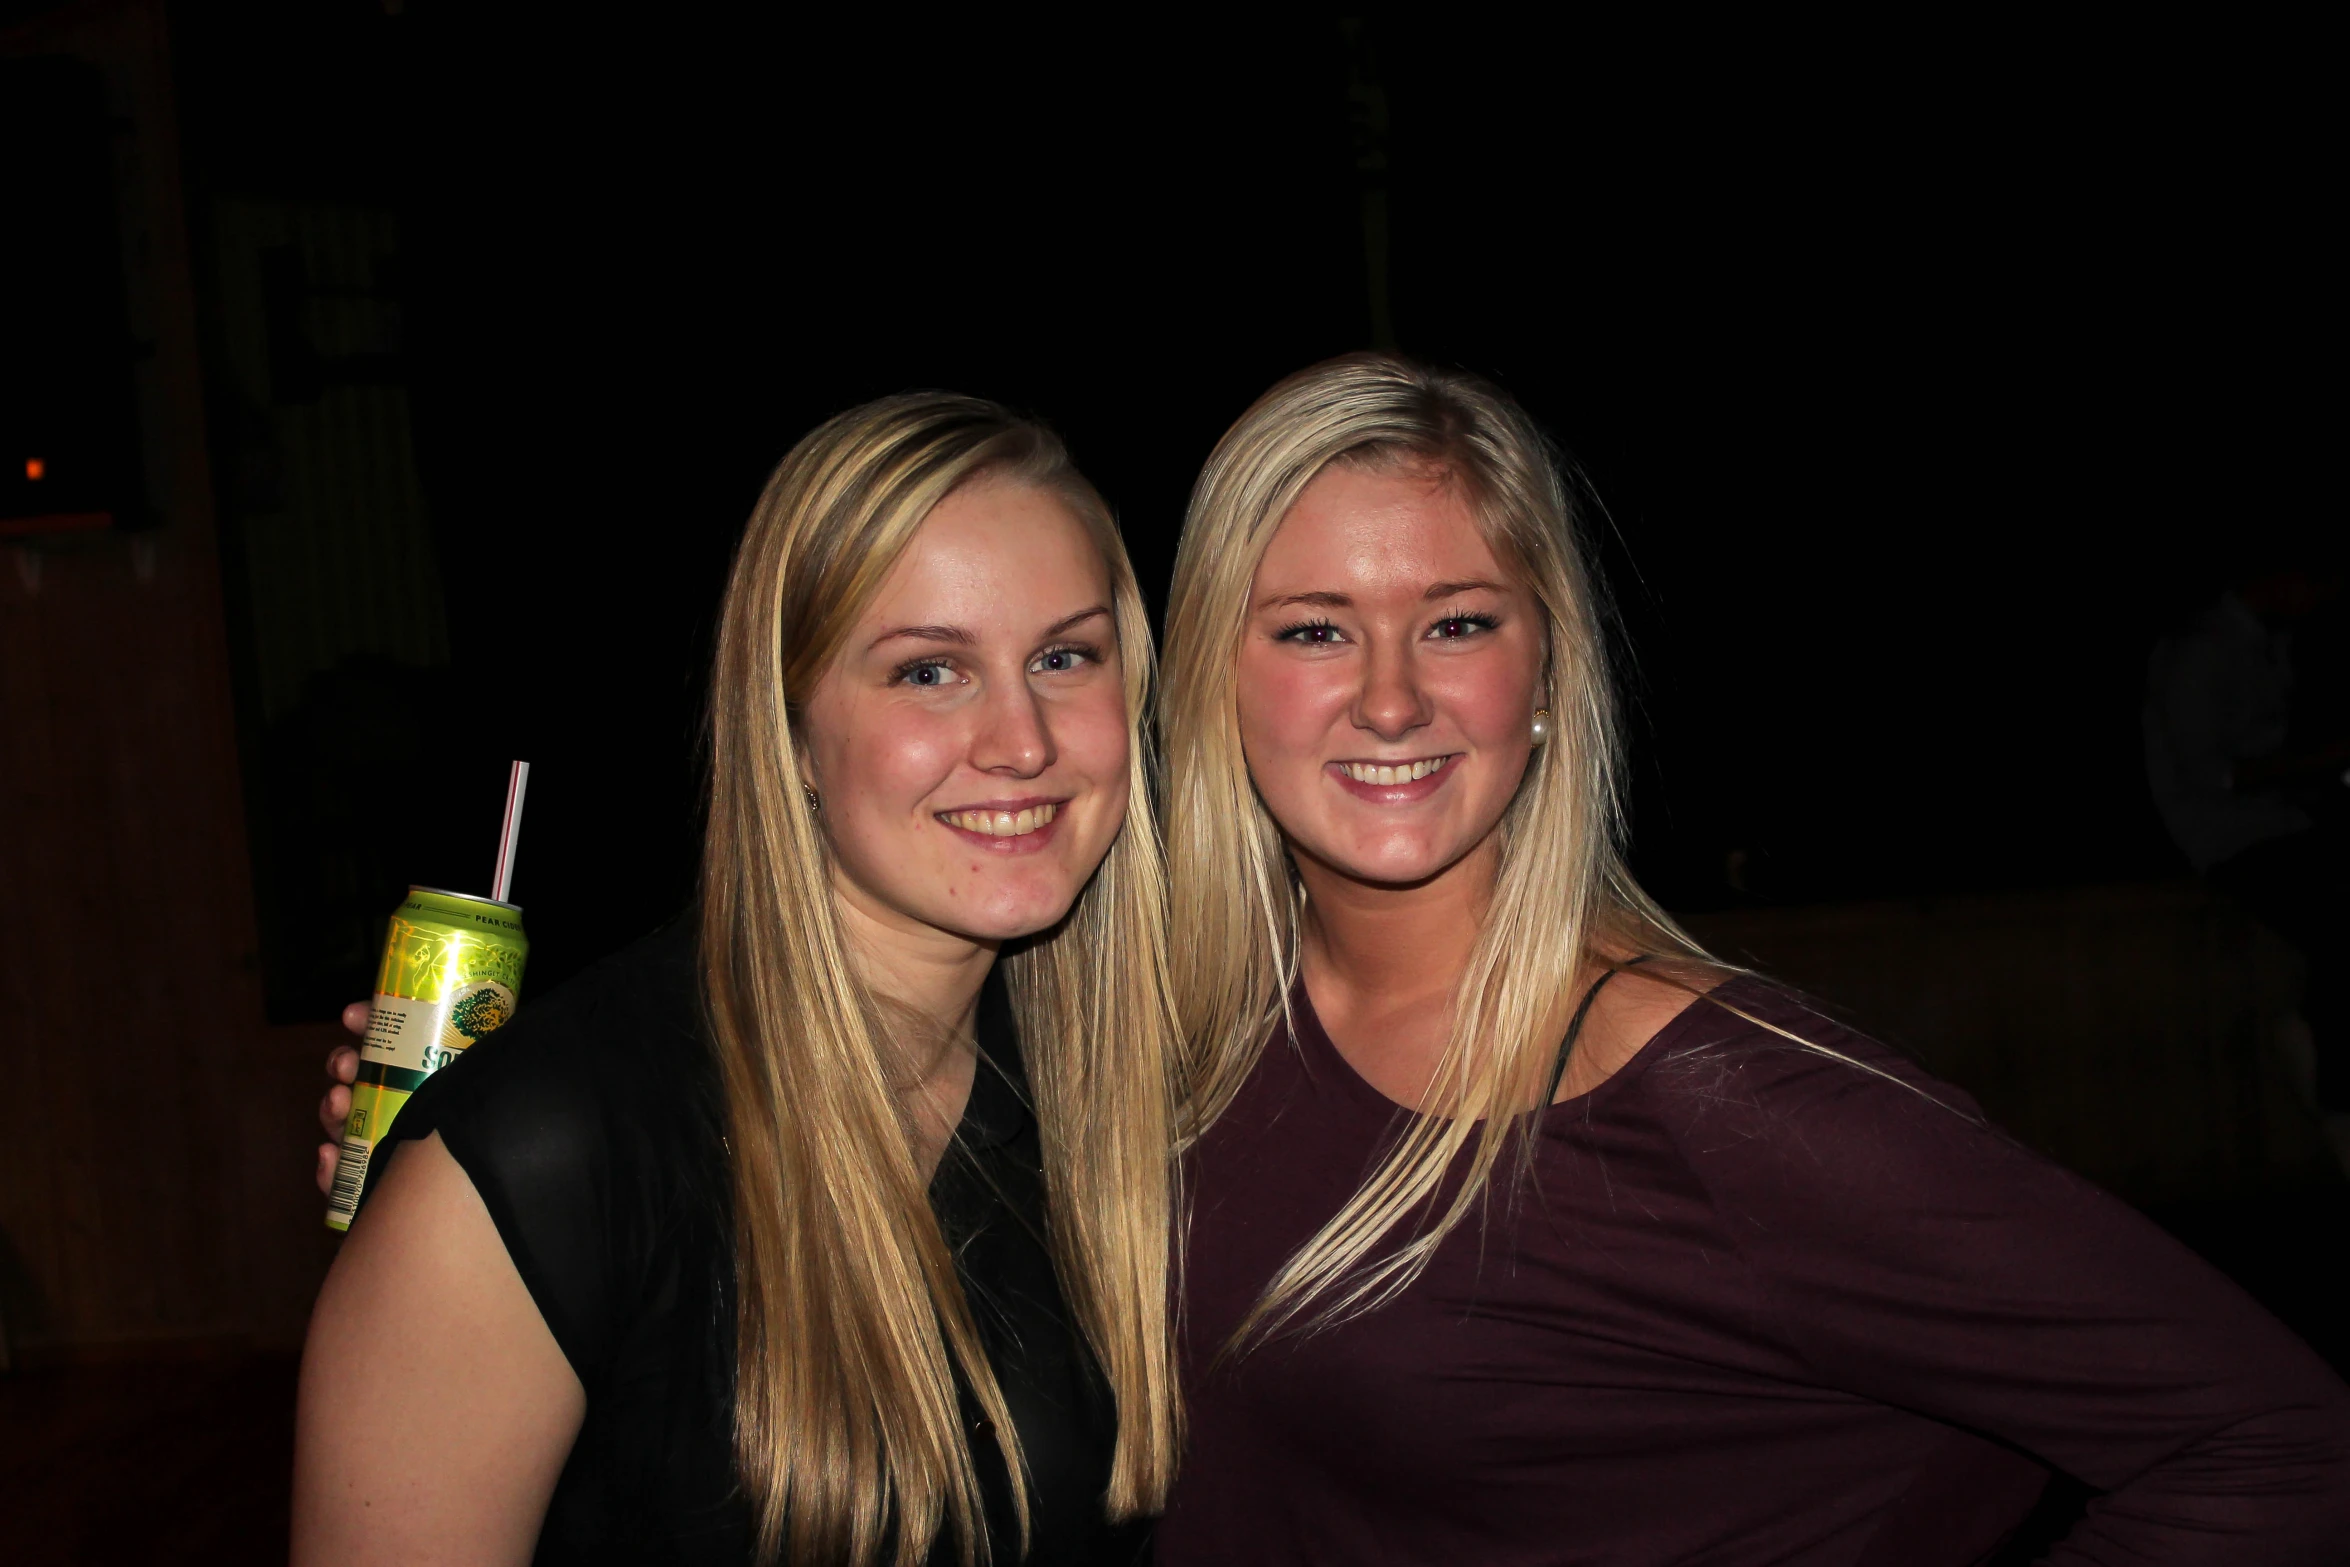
[{"x": 1558, "y": 1068}]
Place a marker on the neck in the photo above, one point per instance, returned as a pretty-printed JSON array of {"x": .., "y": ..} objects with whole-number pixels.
[
  {"x": 934, "y": 976},
  {"x": 932, "y": 973},
  {"x": 1384, "y": 944}
]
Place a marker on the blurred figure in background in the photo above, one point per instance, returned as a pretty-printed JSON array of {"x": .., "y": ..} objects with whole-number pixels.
[{"x": 2247, "y": 757}]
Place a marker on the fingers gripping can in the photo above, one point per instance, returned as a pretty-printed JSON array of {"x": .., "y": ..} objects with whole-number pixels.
[{"x": 452, "y": 972}]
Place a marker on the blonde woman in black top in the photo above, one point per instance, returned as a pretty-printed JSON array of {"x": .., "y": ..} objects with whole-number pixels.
[{"x": 831, "y": 1225}]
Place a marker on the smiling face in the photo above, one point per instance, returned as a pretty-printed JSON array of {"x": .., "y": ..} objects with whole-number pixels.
[
  {"x": 1388, "y": 676},
  {"x": 969, "y": 742}
]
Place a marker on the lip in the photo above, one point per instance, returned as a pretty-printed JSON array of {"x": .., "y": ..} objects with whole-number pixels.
[
  {"x": 1393, "y": 794},
  {"x": 1029, "y": 842}
]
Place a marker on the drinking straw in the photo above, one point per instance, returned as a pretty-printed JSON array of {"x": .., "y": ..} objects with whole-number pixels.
[{"x": 511, "y": 833}]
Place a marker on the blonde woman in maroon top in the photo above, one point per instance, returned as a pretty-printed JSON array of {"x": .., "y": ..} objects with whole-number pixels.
[{"x": 1523, "y": 1231}]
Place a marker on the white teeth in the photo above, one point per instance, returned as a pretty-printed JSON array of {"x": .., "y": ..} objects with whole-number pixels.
[
  {"x": 1394, "y": 773},
  {"x": 1002, "y": 824}
]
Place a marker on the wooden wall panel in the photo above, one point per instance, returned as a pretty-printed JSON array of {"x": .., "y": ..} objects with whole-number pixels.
[
  {"x": 153, "y": 1132},
  {"x": 2127, "y": 1031},
  {"x": 123, "y": 916}
]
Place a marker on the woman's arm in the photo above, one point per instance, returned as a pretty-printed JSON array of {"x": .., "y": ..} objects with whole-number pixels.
[
  {"x": 1920, "y": 1259},
  {"x": 436, "y": 1409}
]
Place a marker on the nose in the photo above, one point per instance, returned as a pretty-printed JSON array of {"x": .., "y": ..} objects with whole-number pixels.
[
  {"x": 1390, "y": 703},
  {"x": 1015, "y": 735}
]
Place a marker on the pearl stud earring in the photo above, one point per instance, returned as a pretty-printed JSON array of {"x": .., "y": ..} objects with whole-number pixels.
[{"x": 1541, "y": 725}]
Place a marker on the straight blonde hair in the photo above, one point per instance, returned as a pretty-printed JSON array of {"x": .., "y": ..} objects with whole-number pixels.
[
  {"x": 1561, "y": 893},
  {"x": 850, "y": 1322}
]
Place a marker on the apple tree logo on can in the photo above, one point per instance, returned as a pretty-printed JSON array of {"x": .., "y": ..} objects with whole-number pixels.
[{"x": 477, "y": 1009}]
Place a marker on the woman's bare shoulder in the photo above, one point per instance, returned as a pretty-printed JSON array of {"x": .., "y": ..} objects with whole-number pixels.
[
  {"x": 1635, "y": 1005},
  {"x": 469, "y": 1381}
]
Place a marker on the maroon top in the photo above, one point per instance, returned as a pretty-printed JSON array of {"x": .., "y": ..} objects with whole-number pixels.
[{"x": 1762, "y": 1306}]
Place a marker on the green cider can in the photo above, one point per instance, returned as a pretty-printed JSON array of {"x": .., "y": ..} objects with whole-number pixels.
[{"x": 452, "y": 972}]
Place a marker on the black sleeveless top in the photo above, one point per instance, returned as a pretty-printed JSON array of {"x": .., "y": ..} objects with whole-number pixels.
[{"x": 591, "y": 1127}]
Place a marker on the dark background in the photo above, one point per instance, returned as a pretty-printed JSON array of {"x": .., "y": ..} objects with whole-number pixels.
[
  {"x": 404, "y": 371},
  {"x": 1920, "y": 382}
]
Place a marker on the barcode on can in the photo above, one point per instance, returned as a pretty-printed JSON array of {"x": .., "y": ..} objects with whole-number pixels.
[{"x": 350, "y": 1177}]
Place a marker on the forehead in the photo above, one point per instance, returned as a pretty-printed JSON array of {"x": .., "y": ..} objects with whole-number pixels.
[
  {"x": 994, "y": 553},
  {"x": 1359, "y": 529}
]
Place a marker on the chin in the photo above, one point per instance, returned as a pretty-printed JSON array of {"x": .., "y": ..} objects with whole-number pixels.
[
  {"x": 1391, "y": 863},
  {"x": 1010, "y": 915},
  {"x": 1398, "y": 873}
]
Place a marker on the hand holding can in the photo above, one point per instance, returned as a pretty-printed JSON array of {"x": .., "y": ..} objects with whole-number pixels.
[{"x": 451, "y": 972}]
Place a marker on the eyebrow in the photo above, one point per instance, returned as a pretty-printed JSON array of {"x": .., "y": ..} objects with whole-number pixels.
[
  {"x": 957, "y": 636},
  {"x": 1445, "y": 590},
  {"x": 952, "y": 634},
  {"x": 1436, "y": 590},
  {"x": 1068, "y": 622},
  {"x": 1320, "y": 600}
]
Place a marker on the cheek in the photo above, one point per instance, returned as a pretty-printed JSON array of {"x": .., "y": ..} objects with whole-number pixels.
[
  {"x": 890, "y": 762},
  {"x": 1286, "y": 703},
  {"x": 1493, "y": 698},
  {"x": 1495, "y": 712},
  {"x": 1090, "y": 735}
]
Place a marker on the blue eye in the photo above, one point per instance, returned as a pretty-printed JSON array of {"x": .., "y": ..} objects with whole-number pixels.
[
  {"x": 1060, "y": 661},
  {"x": 926, "y": 673}
]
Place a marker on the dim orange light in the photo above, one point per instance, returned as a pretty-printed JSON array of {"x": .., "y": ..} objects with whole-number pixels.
[{"x": 34, "y": 468}]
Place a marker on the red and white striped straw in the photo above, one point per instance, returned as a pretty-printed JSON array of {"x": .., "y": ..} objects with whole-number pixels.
[{"x": 511, "y": 833}]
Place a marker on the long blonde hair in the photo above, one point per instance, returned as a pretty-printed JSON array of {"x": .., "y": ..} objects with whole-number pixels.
[
  {"x": 850, "y": 1322},
  {"x": 1561, "y": 893}
]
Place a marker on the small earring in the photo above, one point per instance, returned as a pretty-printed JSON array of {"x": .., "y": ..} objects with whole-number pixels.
[
  {"x": 1541, "y": 725},
  {"x": 814, "y": 804}
]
